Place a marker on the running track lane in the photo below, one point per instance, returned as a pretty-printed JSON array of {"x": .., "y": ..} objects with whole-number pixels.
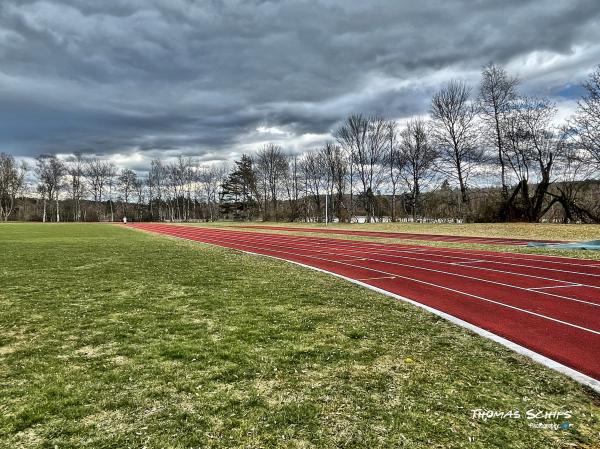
[
  {"x": 406, "y": 235},
  {"x": 550, "y": 305}
]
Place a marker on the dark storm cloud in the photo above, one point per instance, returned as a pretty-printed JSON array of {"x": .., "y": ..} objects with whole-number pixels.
[{"x": 151, "y": 76}]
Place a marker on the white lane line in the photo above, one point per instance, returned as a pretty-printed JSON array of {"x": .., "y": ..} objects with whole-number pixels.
[
  {"x": 337, "y": 254},
  {"x": 524, "y": 258},
  {"x": 537, "y": 357},
  {"x": 377, "y": 278},
  {"x": 442, "y": 252},
  {"x": 386, "y": 273},
  {"x": 558, "y": 286}
]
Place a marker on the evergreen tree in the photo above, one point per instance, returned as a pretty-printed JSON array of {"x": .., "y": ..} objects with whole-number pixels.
[{"x": 239, "y": 195}]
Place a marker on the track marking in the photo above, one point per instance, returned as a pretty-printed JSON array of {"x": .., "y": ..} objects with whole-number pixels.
[
  {"x": 558, "y": 286},
  {"x": 376, "y": 278}
]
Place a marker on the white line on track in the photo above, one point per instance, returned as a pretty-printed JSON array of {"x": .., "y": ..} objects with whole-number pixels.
[
  {"x": 376, "y": 278},
  {"x": 558, "y": 286},
  {"x": 522, "y": 258}
]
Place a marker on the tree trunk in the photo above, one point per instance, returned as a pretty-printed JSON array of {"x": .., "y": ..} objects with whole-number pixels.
[{"x": 500, "y": 157}]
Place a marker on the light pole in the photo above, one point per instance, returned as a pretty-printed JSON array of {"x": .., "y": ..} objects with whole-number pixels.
[{"x": 326, "y": 209}]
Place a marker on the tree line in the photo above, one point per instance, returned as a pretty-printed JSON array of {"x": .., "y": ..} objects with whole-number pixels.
[{"x": 482, "y": 154}]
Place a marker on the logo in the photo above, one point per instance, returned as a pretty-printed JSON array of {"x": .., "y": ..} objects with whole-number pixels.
[{"x": 536, "y": 418}]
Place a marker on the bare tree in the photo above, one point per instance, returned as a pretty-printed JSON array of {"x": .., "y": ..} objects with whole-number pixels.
[
  {"x": 394, "y": 163},
  {"x": 365, "y": 139},
  {"x": 172, "y": 191},
  {"x": 571, "y": 192},
  {"x": 140, "y": 189},
  {"x": 455, "y": 134},
  {"x": 210, "y": 178},
  {"x": 292, "y": 183},
  {"x": 182, "y": 178},
  {"x": 127, "y": 183},
  {"x": 497, "y": 91},
  {"x": 96, "y": 172},
  {"x": 587, "y": 118},
  {"x": 530, "y": 147},
  {"x": 315, "y": 181},
  {"x": 352, "y": 136},
  {"x": 336, "y": 172},
  {"x": 110, "y": 172},
  {"x": 12, "y": 181},
  {"x": 50, "y": 172},
  {"x": 156, "y": 185},
  {"x": 75, "y": 170},
  {"x": 419, "y": 156},
  {"x": 272, "y": 165}
]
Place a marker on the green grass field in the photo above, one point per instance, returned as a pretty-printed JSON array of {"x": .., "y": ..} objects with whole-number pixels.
[{"x": 113, "y": 338}]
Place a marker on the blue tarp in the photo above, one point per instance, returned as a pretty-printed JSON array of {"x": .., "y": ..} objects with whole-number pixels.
[{"x": 592, "y": 245}]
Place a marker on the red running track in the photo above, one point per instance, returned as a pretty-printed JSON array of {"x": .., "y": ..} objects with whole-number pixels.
[
  {"x": 406, "y": 235},
  {"x": 550, "y": 305}
]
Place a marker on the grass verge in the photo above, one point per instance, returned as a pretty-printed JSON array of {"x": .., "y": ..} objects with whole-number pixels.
[{"x": 110, "y": 337}]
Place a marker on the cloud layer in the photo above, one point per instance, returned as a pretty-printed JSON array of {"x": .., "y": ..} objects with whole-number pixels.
[{"x": 141, "y": 78}]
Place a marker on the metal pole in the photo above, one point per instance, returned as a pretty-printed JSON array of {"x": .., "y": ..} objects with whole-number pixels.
[{"x": 326, "y": 216}]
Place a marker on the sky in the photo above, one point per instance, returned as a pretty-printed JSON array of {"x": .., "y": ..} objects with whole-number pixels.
[{"x": 132, "y": 80}]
